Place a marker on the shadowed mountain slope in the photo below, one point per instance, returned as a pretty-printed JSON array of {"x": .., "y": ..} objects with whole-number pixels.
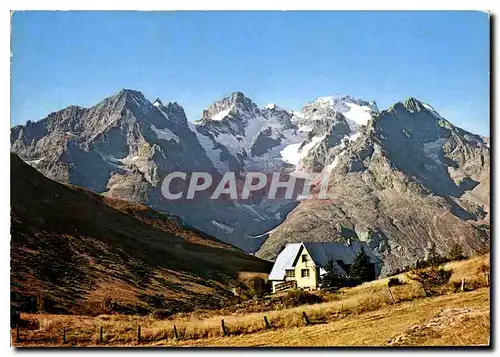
[{"x": 74, "y": 248}]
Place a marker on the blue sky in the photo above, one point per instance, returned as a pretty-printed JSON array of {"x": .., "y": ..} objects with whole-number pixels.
[{"x": 288, "y": 58}]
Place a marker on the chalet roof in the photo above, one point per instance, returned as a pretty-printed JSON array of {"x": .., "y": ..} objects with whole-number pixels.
[
  {"x": 321, "y": 253},
  {"x": 284, "y": 261}
]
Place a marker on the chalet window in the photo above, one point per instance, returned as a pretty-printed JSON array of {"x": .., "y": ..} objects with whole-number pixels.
[
  {"x": 304, "y": 257},
  {"x": 305, "y": 273},
  {"x": 290, "y": 273}
]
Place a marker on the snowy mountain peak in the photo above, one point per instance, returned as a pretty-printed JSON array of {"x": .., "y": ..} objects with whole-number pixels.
[
  {"x": 157, "y": 102},
  {"x": 125, "y": 145},
  {"x": 234, "y": 103},
  {"x": 357, "y": 112},
  {"x": 339, "y": 102},
  {"x": 275, "y": 109}
]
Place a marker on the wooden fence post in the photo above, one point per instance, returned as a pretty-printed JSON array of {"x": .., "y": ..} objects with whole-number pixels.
[
  {"x": 100, "y": 335},
  {"x": 64, "y": 335},
  {"x": 392, "y": 296},
  {"x": 176, "y": 335},
  {"x": 462, "y": 286},
  {"x": 266, "y": 321},
  {"x": 306, "y": 319},
  {"x": 18, "y": 338},
  {"x": 139, "y": 333},
  {"x": 223, "y": 327}
]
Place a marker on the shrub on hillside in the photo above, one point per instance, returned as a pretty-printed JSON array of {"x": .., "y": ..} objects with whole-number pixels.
[
  {"x": 431, "y": 278},
  {"x": 109, "y": 305},
  {"x": 434, "y": 258},
  {"x": 258, "y": 287},
  {"x": 456, "y": 252},
  {"x": 394, "y": 282},
  {"x": 298, "y": 297}
]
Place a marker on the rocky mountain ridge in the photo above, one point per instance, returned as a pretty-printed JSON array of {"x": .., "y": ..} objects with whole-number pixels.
[{"x": 125, "y": 145}]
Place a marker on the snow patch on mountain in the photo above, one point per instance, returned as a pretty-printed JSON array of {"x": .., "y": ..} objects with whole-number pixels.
[
  {"x": 34, "y": 162},
  {"x": 129, "y": 159},
  {"x": 329, "y": 100},
  {"x": 272, "y": 160},
  {"x": 293, "y": 153},
  {"x": 432, "y": 110},
  {"x": 252, "y": 209},
  {"x": 355, "y": 136},
  {"x": 262, "y": 235},
  {"x": 213, "y": 153},
  {"x": 432, "y": 149},
  {"x": 332, "y": 165},
  {"x": 221, "y": 115},
  {"x": 165, "y": 134},
  {"x": 242, "y": 144},
  {"x": 222, "y": 226},
  {"x": 305, "y": 128},
  {"x": 359, "y": 114},
  {"x": 231, "y": 143}
]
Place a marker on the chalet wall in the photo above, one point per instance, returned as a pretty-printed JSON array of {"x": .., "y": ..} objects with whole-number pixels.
[{"x": 310, "y": 282}]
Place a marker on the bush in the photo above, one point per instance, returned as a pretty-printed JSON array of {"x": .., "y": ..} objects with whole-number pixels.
[
  {"x": 456, "y": 252},
  {"x": 109, "y": 305},
  {"x": 434, "y": 259},
  {"x": 258, "y": 287},
  {"x": 394, "y": 282},
  {"x": 298, "y": 297},
  {"x": 431, "y": 278}
]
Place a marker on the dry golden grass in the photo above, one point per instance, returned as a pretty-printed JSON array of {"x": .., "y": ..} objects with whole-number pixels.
[
  {"x": 372, "y": 328},
  {"x": 469, "y": 269},
  {"x": 363, "y": 315}
]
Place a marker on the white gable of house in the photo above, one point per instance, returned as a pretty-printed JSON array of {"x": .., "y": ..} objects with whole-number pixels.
[
  {"x": 284, "y": 261},
  {"x": 321, "y": 253}
]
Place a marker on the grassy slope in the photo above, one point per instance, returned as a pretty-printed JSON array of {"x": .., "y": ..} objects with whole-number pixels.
[
  {"x": 76, "y": 247},
  {"x": 360, "y": 316},
  {"x": 378, "y": 327}
]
